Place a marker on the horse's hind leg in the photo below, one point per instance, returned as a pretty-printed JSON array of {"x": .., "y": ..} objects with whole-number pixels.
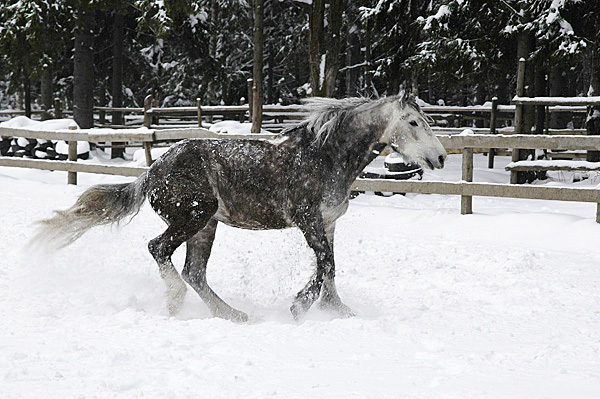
[
  {"x": 194, "y": 273},
  {"x": 162, "y": 248}
]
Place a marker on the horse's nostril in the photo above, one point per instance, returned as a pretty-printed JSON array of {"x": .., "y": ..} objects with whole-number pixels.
[{"x": 442, "y": 159}]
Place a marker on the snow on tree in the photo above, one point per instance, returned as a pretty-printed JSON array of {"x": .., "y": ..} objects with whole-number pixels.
[{"x": 32, "y": 35}]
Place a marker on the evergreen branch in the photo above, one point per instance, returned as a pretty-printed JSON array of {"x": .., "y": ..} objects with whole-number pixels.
[{"x": 511, "y": 8}]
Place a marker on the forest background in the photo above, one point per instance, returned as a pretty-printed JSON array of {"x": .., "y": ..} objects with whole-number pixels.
[{"x": 460, "y": 52}]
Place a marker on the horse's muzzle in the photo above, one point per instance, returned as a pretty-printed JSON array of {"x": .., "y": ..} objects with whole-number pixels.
[{"x": 436, "y": 163}]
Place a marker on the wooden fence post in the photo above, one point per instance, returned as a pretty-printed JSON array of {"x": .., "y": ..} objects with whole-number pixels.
[
  {"x": 518, "y": 122},
  {"x": 242, "y": 115},
  {"x": 147, "y": 115},
  {"x": 72, "y": 156},
  {"x": 57, "y": 109},
  {"x": 148, "y": 123},
  {"x": 493, "y": 117},
  {"x": 156, "y": 116},
  {"x": 592, "y": 127},
  {"x": 250, "y": 96},
  {"x": 199, "y": 105},
  {"x": 101, "y": 117},
  {"x": 466, "y": 201}
]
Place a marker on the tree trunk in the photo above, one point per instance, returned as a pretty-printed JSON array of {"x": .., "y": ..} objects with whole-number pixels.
[
  {"x": 46, "y": 89},
  {"x": 257, "y": 68},
  {"x": 540, "y": 91},
  {"x": 117, "y": 77},
  {"x": 523, "y": 47},
  {"x": 352, "y": 59},
  {"x": 27, "y": 90},
  {"x": 211, "y": 91},
  {"x": 270, "y": 78},
  {"x": 414, "y": 82},
  {"x": 83, "y": 70},
  {"x": 592, "y": 123},
  {"x": 368, "y": 89},
  {"x": 558, "y": 87},
  {"x": 117, "y": 68},
  {"x": 540, "y": 114},
  {"x": 315, "y": 43},
  {"x": 524, "y": 42},
  {"x": 333, "y": 49}
]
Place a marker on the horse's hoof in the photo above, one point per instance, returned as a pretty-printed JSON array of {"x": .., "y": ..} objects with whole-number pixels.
[
  {"x": 175, "y": 301},
  {"x": 173, "y": 309},
  {"x": 233, "y": 315},
  {"x": 298, "y": 309},
  {"x": 338, "y": 308},
  {"x": 239, "y": 317}
]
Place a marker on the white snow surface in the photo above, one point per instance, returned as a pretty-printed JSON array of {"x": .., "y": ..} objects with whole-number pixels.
[
  {"x": 233, "y": 127},
  {"x": 504, "y": 303},
  {"x": 24, "y": 122}
]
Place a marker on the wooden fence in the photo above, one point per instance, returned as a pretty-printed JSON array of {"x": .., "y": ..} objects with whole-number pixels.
[
  {"x": 466, "y": 188},
  {"x": 55, "y": 113},
  {"x": 275, "y": 117},
  {"x": 447, "y": 119},
  {"x": 146, "y": 137}
]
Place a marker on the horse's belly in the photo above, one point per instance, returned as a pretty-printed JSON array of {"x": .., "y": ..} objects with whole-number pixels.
[
  {"x": 251, "y": 217},
  {"x": 250, "y": 224}
]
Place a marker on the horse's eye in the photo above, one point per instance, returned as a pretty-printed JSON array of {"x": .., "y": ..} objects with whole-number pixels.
[{"x": 413, "y": 123}]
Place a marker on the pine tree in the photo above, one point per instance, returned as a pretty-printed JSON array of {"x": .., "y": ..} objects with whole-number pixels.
[
  {"x": 395, "y": 35},
  {"x": 33, "y": 35}
]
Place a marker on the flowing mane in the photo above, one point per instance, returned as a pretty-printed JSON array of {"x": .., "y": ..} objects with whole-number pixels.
[{"x": 328, "y": 114}]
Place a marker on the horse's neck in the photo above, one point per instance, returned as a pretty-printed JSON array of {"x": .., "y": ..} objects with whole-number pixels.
[{"x": 353, "y": 147}]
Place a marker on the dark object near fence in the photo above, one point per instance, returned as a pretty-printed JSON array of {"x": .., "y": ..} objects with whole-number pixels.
[
  {"x": 394, "y": 168},
  {"x": 21, "y": 147},
  {"x": 35, "y": 149},
  {"x": 5, "y": 145}
]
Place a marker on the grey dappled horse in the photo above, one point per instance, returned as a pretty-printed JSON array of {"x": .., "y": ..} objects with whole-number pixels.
[{"x": 301, "y": 179}]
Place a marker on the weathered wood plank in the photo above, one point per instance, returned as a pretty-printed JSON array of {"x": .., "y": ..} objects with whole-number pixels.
[
  {"x": 120, "y": 109},
  {"x": 70, "y": 166},
  {"x": 556, "y": 100},
  {"x": 120, "y": 135},
  {"x": 197, "y": 132},
  {"x": 566, "y": 142},
  {"x": 526, "y": 166},
  {"x": 66, "y": 135},
  {"x": 479, "y": 189}
]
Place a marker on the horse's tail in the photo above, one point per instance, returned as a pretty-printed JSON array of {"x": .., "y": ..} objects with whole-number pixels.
[{"x": 98, "y": 205}]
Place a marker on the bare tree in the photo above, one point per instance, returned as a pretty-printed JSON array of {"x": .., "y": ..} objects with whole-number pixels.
[
  {"x": 83, "y": 69},
  {"x": 257, "y": 68}
]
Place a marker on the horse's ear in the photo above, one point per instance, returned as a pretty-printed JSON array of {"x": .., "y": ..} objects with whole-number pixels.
[{"x": 406, "y": 95}]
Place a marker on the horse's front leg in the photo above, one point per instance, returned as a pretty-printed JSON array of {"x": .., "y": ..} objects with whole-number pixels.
[
  {"x": 314, "y": 233},
  {"x": 330, "y": 300}
]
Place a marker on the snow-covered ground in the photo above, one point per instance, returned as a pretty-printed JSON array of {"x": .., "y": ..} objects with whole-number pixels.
[{"x": 504, "y": 303}]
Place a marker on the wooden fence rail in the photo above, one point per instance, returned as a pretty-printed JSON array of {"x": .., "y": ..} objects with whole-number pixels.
[
  {"x": 466, "y": 143},
  {"x": 147, "y": 137}
]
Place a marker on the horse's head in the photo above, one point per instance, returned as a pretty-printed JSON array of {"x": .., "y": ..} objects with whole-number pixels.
[{"x": 408, "y": 133}]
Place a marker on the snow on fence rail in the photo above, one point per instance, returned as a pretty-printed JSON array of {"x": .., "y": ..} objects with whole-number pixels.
[
  {"x": 466, "y": 188},
  {"x": 557, "y": 101},
  {"x": 147, "y": 137}
]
